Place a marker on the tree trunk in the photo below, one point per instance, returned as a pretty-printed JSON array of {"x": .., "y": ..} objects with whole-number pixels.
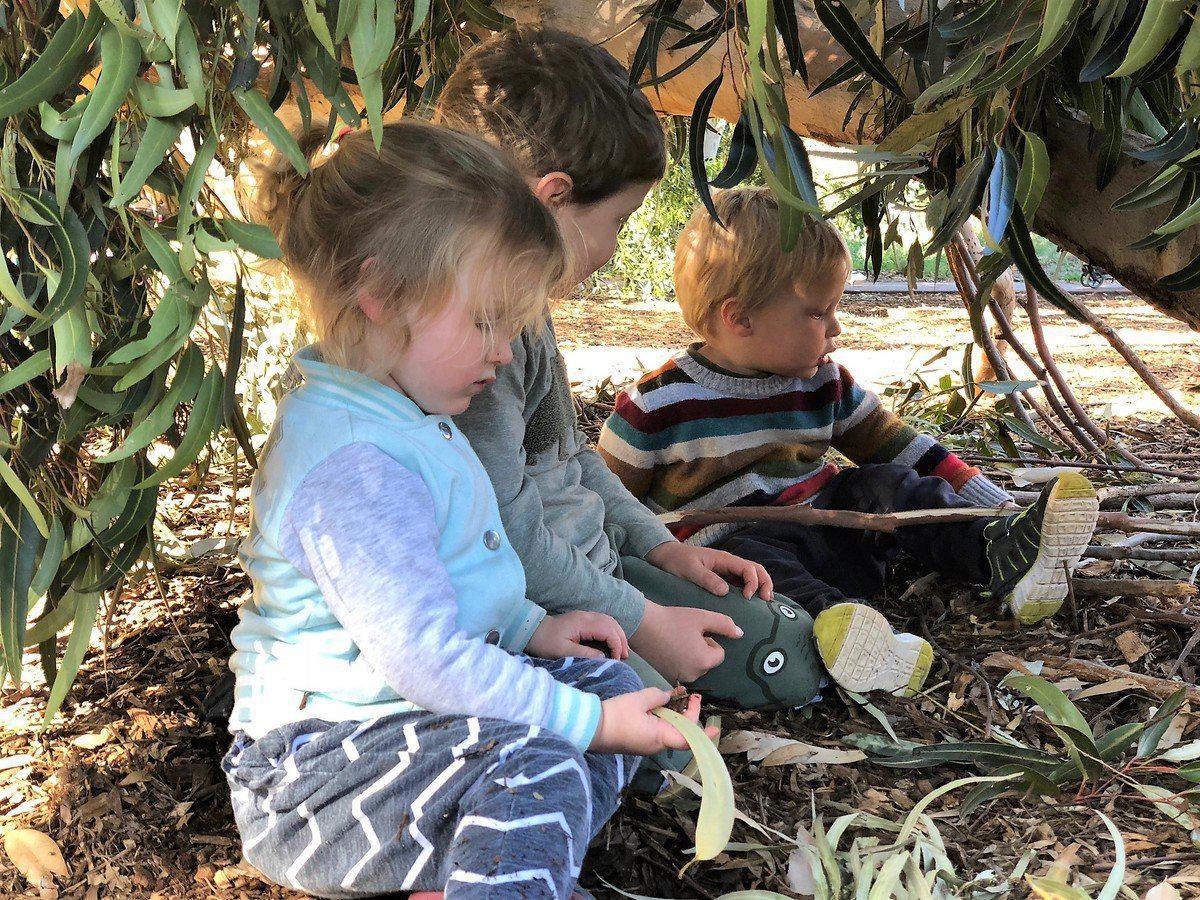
[{"x": 1074, "y": 214}]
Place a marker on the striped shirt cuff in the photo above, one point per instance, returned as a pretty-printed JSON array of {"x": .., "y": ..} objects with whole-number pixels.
[
  {"x": 982, "y": 491},
  {"x": 573, "y": 714}
]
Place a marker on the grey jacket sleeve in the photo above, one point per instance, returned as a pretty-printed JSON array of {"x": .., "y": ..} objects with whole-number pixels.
[
  {"x": 362, "y": 527},
  {"x": 559, "y": 576},
  {"x": 643, "y": 530}
]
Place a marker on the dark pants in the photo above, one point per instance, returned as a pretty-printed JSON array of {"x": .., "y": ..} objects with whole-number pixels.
[{"x": 817, "y": 565}]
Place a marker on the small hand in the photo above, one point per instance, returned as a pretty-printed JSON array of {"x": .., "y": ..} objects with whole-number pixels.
[
  {"x": 558, "y": 637},
  {"x": 628, "y": 724},
  {"x": 675, "y": 640},
  {"x": 704, "y": 566}
]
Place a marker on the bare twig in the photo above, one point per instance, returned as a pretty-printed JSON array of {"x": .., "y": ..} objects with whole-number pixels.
[
  {"x": 1118, "y": 521},
  {"x": 1163, "y": 501},
  {"x": 1082, "y": 432},
  {"x": 1146, "y": 553},
  {"x": 1182, "y": 413},
  {"x": 967, "y": 278},
  {"x": 1064, "y": 387},
  {"x": 1133, "y": 587},
  {"x": 959, "y": 258},
  {"x": 887, "y": 522},
  {"x": 1161, "y": 615},
  {"x": 1096, "y": 673},
  {"x": 1125, "y": 491},
  {"x": 1075, "y": 464},
  {"x": 1185, "y": 653},
  {"x": 835, "y": 518}
]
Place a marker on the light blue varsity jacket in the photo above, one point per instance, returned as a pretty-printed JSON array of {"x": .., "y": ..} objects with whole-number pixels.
[{"x": 383, "y": 580}]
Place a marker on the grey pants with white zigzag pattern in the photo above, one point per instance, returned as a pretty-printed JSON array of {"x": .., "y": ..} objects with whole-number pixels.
[{"x": 417, "y": 801}]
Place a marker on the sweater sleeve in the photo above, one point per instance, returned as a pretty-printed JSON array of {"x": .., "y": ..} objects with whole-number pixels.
[
  {"x": 868, "y": 433},
  {"x": 559, "y": 576},
  {"x": 362, "y": 526}
]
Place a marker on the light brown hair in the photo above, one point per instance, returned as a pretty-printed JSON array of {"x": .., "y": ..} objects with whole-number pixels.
[
  {"x": 559, "y": 103},
  {"x": 425, "y": 207},
  {"x": 745, "y": 259}
]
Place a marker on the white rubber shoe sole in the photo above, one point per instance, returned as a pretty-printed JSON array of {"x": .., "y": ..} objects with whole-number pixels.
[
  {"x": 1067, "y": 527},
  {"x": 863, "y": 653}
]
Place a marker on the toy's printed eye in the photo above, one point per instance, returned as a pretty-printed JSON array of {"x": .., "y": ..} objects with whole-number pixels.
[
  {"x": 786, "y": 611},
  {"x": 775, "y": 661}
]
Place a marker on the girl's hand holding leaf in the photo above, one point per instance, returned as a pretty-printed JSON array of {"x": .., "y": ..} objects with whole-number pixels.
[{"x": 628, "y": 724}]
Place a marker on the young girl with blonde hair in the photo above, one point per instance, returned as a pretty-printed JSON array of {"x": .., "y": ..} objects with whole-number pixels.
[{"x": 404, "y": 717}]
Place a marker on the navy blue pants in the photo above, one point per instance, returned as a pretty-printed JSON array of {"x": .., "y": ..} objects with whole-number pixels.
[
  {"x": 480, "y": 808},
  {"x": 816, "y": 565}
]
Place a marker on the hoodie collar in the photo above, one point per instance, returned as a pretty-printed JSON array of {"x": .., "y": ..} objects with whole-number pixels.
[{"x": 337, "y": 386}]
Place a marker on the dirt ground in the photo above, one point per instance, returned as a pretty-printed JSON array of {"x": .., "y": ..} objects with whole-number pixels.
[
  {"x": 886, "y": 335},
  {"x": 126, "y": 779}
]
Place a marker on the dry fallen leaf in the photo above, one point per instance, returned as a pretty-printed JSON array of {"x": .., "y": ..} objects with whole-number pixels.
[
  {"x": 800, "y": 875},
  {"x": 15, "y": 762},
  {"x": 773, "y": 750},
  {"x": 1132, "y": 646},
  {"x": 92, "y": 740},
  {"x": 36, "y": 856},
  {"x": 1164, "y": 891},
  {"x": 801, "y": 754}
]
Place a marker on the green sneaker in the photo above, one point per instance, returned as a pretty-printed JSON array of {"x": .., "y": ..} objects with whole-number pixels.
[
  {"x": 1029, "y": 552},
  {"x": 863, "y": 653}
]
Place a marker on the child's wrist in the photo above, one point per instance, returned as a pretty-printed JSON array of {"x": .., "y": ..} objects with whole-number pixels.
[{"x": 598, "y": 734}]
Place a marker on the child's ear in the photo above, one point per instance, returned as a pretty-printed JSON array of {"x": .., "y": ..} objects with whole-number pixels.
[
  {"x": 554, "y": 189},
  {"x": 368, "y": 301},
  {"x": 734, "y": 317}
]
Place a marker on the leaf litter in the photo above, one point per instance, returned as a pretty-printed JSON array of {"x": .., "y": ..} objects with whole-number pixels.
[{"x": 126, "y": 780}]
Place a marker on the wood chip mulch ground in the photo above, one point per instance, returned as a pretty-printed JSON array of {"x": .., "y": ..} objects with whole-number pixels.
[{"x": 127, "y": 781}]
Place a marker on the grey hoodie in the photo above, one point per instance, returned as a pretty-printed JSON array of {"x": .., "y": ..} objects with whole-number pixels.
[{"x": 569, "y": 518}]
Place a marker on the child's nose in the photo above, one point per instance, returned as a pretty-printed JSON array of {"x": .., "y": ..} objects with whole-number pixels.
[
  {"x": 501, "y": 354},
  {"x": 835, "y": 328}
]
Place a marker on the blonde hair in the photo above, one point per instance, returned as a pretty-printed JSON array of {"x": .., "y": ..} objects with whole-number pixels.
[
  {"x": 430, "y": 203},
  {"x": 745, "y": 259}
]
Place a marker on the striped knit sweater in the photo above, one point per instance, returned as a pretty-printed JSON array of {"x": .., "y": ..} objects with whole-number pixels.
[{"x": 690, "y": 435}]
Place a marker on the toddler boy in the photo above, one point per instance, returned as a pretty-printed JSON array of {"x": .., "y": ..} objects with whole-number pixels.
[{"x": 747, "y": 416}]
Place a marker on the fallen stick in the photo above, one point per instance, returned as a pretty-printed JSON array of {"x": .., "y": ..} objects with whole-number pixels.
[
  {"x": 1125, "y": 491},
  {"x": 1063, "y": 385},
  {"x": 1076, "y": 464},
  {"x": 836, "y": 518},
  {"x": 1182, "y": 413},
  {"x": 1147, "y": 553},
  {"x": 1085, "y": 430},
  {"x": 1158, "y": 615},
  {"x": 958, "y": 256},
  {"x": 1132, "y": 587},
  {"x": 1094, "y": 672},
  {"x": 1190, "y": 500},
  {"x": 1175, "y": 501},
  {"x": 1118, "y": 521},
  {"x": 889, "y": 522}
]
